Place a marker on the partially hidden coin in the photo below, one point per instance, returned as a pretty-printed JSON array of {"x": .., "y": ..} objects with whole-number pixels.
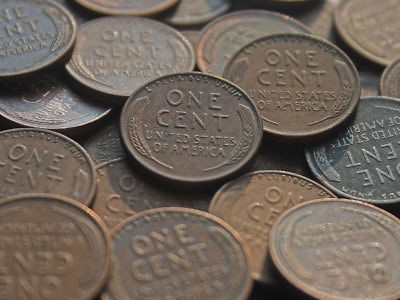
[
  {"x": 192, "y": 36},
  {"x": 370, "y": 79},
  {"x": 42, "y": 161},
  {"x": 390, "y": 80},
  {"x": 116, "y": 55},
  {"x": 338, "y": 249},
  {"x": 81, "y": 15},
  {"x": 252, "y": 203},
  {"x": 34, "y": 35},
  {"x": 362, "y": 161},
  {"x": 178, "y": 253},
  {"x": 223, "y": 37},
  {"x": 303, "y": 86},
  {"x": 51, "y": 248},
  {"x": 191, "y": 127}
]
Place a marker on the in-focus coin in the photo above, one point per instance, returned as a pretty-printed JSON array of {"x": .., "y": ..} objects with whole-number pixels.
[
  {"x": 34, "y": 35},
  {"x": 252, "y": 203},
  {"x": 390, "y": 80},
  {"x": 363, "y": 161},
  {"x": 42, "y": 161},
  {"x": 51, "y": 248},
  {"x": 48, "y": 102},
  {"x": 191, "y": 127},
  {"x": 223, "y": 37},
  {"x": 178, "y": 253},
  {"x": 303, "y": 86},
  {"x": 116, "y": 55},
  {"x": 372, "y": 28},
  {"x": 338, "y": 249}
]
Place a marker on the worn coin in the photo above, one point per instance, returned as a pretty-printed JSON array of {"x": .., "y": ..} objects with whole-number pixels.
[
  {"x": 372, "y": 28},
  {"x": 390, "y": 80},
  {"x": 191, "y": 127},
  {"x": 303, "y": 86},
  {"x": 42, "y": 161},
  {"x": 116, "y": 55},
  {"x": 33, "y": 36},
  {"x": 223, "y": 37},
  {"x": 51, "y": 248},
  {"x": 178, "y": 253},
  {"x": 338, "y": 249},
  {"x": 252, "y": 203}
]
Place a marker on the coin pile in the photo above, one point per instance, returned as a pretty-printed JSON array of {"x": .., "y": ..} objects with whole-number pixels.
[{"x": 199, "y": 149}]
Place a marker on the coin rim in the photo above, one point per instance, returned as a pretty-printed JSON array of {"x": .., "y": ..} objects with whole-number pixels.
[{"x": 386, "y": 75}]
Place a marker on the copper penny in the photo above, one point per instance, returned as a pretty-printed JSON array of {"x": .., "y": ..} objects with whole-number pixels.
[
  {"x": 81, "y": 15},
  {"x": 223, "y": 37},
  {"x": 116, "y": 55},
  {"x": 372, "y": 28},
  {"x": 338, "y": 249},
  {"x": 42, "y": 161},
  {"x": 192, "y": 36},
  {"x": 51, "y": 248},
  {"x": 390, "y": 80},
  {"x": 191, "y": 127},
  {"x": 252, "y": 203},
  {"x": 178, "y": 253},
  {"x": 303, "y": 86}
]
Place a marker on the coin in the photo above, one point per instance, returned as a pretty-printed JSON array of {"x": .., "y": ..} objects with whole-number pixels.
[
  {"x": 42, "y": 161},
  {"x": 178, "y": 253},
  {"x": 51, "y": 248},
  {"x": 252, "y": 203},
  {"x": 48, "y": 102},
  {"x": 303, "y": 86},
  {"x": 372, "y": 28},
  {"x": 116, "y": 55},
  {"x": 223, "y": 37},
  {"x": 191, "y": 127},
  {"x": 390, "y": 80},
  {"x": 34, "y": 35},
  {"x": 362, "y": 161},
  {"x": 338, "y": 249},
  {"x": 192, "y": 36},
  {"x": 81, "y": 15},
  {"x": 369, "y": 82}
]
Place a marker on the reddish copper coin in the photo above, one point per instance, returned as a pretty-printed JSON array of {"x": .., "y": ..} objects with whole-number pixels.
[
  {"x": 338, "y": 249},
  {"x": 390, "y": 80}
]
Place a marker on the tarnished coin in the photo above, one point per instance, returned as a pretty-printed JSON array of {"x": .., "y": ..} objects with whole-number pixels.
[
  {"x": 42, "y": 161},
  {"x": 303, "y": 86},
  {"x": 222, "y": 38},
  {"x": 363, "y": 161},
  {"x": 51, "y": 248},
  {"x": 191, "y": 127},
  {"x": 192, "y": 36},
  {"x": 116, "y": 55},
  {"x": 390, "y": 80},
  {"x": 34, "y": 35},
  {"x": 338, "y": 249},
  {"x": 48, "y": 102},
  {"x": 370, "y": 27},
  {"x": 252, "y": 203},
  {"x": 81, "y": 15},
  {"x": 178, "y": 253}
]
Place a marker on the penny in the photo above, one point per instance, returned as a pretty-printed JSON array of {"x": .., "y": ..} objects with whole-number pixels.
[
  {"x": 390, "y": 80},
  {"x": 178, "y": 253},
  {"x": 51, "y": 248},
  {"x": 223, "y": 37},
  {"x": 252, "y": 203},
  {"x": 371, "y": 28},
  {"x": 112, "y": 58},
  {"x": 48, "y": 102},
  {"x": 33, "y": 36},
  {"x": 362, "y": 161},
  {"x": 369, "y": 82},
  {"x": 192, "y": 36},
  {"x": 338, "y": 249},
  {"x": 42, "y": 161},
  {"x": 196, "y": 12},
  {"x": 303, "y": 86},
  {"x": 81, "y": 15},
  {"x": 191, "y": 127}
]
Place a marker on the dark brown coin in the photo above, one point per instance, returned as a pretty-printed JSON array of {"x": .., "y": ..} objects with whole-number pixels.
[
  {"x": 33, "y": 36},
  {"x": 222, "y": 38},
  {"x": 41, "y": 161},
  {"x": 191, "y": 127},
  {"x": 390, "y": 80},
  {"x": 370, "y": 27},
  {"x": 252, "y": 203},
  {"x": 51, "y": 248},
  {"x": 303, "y": 86},
  {"x": 178, "y": 253},
  {"x": 363, "y": 160},
  {"x": 48, "y": 102},
  {"x": 116, "y": 55},
  {"x": 338, "y": 249}
]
